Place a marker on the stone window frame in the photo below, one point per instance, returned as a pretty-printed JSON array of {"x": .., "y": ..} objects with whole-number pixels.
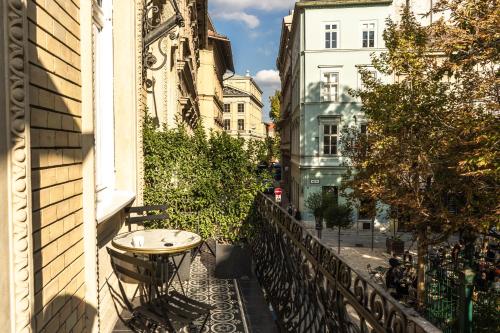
[
  {"x": 241, "y": 124},
  {"x": 241, "y": 107},
  {"x": 227, "y": 124},
  {"x": 227, "y": 107}
]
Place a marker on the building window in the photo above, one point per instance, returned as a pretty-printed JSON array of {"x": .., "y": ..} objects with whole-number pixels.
[
  {"x": 227, "y": 107},
  {"x": 241, "y": 107},
  {"x": 368, "y": 34},
  {"x": 331, "y": 36},
  {"x": 330, "y": 86},
  {"x": 241, "y": 124},
  {"x": 103, "y": 99},
  {"x": 227, "y": 124},
  {"x": 330, "y": 138}
]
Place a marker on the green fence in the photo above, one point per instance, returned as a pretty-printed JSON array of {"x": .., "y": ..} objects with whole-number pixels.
[{"x": 452, "y": 304}]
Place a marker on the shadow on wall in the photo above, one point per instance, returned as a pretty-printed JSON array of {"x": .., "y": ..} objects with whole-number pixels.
[
  {"x": 57, "y": 153},
  {"x": 346, "y": 110},
  {"x": 79, "y": 316}
]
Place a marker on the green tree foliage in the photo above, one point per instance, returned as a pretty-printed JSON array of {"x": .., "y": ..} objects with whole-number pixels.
[
  {"x": 337, "y": 215},
  {"x": 274, "y": 144},
  {"x": 423, "y": 131},
  {"x": 208, "y": 183},
  {"x": 275, "y": 101},
  {"x": 316, "y": 203}
]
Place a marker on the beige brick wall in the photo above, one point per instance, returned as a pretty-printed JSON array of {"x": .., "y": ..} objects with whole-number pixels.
[{"x": 55, "y": 102}]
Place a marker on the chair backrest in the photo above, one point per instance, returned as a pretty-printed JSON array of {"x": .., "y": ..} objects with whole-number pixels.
[
  {"x": 141, "y": 214},
  {"x": 136, "y": 269}
]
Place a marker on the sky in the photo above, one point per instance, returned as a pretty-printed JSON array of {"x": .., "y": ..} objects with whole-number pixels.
[{"x": 254, "y": 28}]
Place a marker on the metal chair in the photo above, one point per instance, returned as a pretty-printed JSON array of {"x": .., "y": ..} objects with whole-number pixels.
[
  {"x": 141, "y": 214},
  {"x": 154, "y": 311}
]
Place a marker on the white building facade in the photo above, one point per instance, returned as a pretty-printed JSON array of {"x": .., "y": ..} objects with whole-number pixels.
[{"x": 327, "y": 44}]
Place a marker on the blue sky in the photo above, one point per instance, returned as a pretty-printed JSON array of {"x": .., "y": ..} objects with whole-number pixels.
[{"x": 254, "y": 28}]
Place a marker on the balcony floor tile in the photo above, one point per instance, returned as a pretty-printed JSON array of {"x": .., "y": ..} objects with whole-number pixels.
[{"x": 239, "y": 304}]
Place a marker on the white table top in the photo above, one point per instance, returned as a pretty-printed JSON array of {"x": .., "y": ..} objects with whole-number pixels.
[{"x": 155, "y": 241}]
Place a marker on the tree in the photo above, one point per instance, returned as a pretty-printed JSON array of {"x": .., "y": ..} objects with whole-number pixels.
[
  {"x": 275, "y": 112},
  {"x": 274, "y": 144},
  {"x": 420, "y": 132},
  {"x": 316, "y": 203},
  {"x": 337, "y": 215}
]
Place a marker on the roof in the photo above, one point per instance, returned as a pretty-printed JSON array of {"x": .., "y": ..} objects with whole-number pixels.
[
  {"x": 224, "y": 44},
  {"x": 230, "y": 91},
  {"x": 245, "y": 77}
]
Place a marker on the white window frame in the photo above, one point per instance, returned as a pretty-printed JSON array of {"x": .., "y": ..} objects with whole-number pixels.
[
  {"x": 328, "y": 29},
  {"x": 363, "y": 30},
  {"x": 228, "y": 105},
  {"x": 227, "y": 121},
  {"x": 324, "y": 81},
  {"x": 103, "y": 100},
  {"x": 330, "y": 123}
]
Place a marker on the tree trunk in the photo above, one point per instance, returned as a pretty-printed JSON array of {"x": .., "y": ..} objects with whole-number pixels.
[{"x": 421, "y": 260}]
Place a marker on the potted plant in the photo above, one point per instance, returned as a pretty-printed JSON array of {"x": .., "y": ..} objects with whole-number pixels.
[
  {"x": 234, "y": 161},
  {"x": 232, "y": 253}
]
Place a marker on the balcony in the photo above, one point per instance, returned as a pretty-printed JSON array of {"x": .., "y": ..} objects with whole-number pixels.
[{"x": 307, "y": 286}]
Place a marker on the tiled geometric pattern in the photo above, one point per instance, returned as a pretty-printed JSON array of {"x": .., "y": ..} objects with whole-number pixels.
[{"x": 228, "y": 315}]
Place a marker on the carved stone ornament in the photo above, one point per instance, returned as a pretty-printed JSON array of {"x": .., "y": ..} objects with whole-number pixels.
[{"x": 20, "y": 187}]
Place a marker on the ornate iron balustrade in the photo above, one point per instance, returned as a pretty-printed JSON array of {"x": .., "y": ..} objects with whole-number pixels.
[{"x": 312, "y": 290}]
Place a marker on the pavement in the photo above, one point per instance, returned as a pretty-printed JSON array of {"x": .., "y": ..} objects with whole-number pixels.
[{"x": 356, "y": 246}]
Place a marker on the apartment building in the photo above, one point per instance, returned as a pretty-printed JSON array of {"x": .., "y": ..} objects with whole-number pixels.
[
  {"x": 323, "y": 46},
  {"x": 243, "y": 108},
  {"x": 172, "y": 95},
  {"x": 75, "y": 77},
  {"x": 215, "y": 61}
]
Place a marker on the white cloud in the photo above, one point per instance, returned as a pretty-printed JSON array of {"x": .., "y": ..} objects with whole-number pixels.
[
  {"x": 237, "y": 10},
  {"x": 251, "y": 21},
  {"x": 266, "y": 5},
  {"x": 268, "y": 78}
]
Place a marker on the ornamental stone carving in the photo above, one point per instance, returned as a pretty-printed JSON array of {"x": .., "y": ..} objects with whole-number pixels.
[{"x": 14, "y": 17}]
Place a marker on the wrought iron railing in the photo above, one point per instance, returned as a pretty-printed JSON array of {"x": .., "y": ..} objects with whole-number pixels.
[{"x": 313, "y": 290}]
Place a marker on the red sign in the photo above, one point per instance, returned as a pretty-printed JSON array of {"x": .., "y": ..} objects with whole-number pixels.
[{"x": 277, "y": 191}]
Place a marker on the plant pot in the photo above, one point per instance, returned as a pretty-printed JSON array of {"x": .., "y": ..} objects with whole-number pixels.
[
  {"x": 232, "y": 261},
  {"x": 395, "y": 246},
  {"x": 184, "y": 268}
]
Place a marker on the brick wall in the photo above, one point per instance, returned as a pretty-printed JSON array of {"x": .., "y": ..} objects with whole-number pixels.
[{"x": 55, "y": 103}]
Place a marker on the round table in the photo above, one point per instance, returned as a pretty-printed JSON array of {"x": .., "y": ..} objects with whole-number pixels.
[
  {"x": 160, "y": 245},
  {"x": 158, "y": 241}
]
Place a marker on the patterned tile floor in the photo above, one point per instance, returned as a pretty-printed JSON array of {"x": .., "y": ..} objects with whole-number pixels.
[{"x": 225, "y": 295}]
